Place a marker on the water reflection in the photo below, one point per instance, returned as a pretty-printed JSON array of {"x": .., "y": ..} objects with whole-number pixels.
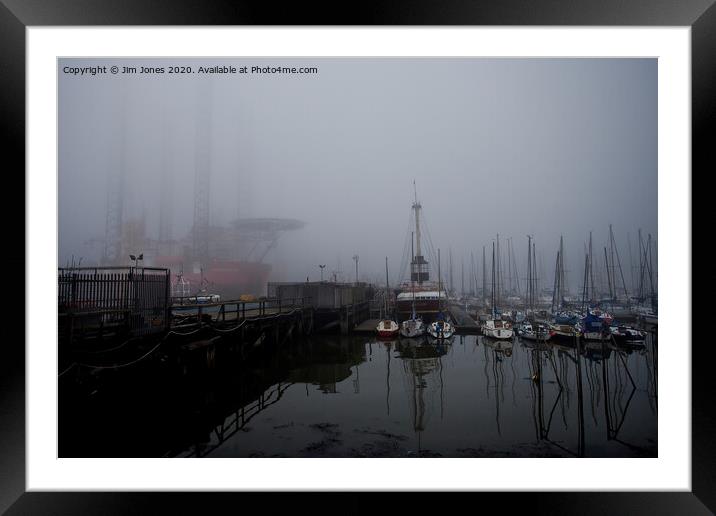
[
  {"x": 337, "y": 396},
  {"x": 421, "y": 359}
]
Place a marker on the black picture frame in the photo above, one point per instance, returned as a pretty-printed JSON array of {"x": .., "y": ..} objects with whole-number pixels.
[{"x": 16, "y": 15}]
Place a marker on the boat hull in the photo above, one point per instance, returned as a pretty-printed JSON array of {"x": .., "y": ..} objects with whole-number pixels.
[
  {"x": 536, "y": 336},
  {"x": 440, "y": 331},
  {"x": 595, "y": 336},
  {"x": 387, "y": 329},
  {"x": 498, "y": 333},
  {"x": 412, "y": 328},
  {"x": 497, "y": 329}
]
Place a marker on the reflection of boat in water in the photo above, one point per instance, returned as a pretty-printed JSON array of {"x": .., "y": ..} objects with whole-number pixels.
[
  {"x": 499, "y": 346},
  {"x": 627, "y": 347},
  {"x": 596, "y": 350},
  {"x": 421, "y": 360},
  {"x": 421, "y": 348}
]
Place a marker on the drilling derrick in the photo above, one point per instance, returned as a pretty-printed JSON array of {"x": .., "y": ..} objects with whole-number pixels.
[
  {"x": 165, "y": 199},
  {"x": 115, "y": 192},
  {"x": 202, "y": 177}
]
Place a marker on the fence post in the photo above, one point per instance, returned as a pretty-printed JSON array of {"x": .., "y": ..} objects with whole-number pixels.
[{"x": 167, "y": 302}]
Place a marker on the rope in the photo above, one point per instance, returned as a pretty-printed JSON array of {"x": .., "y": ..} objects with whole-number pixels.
[
  {"x": 173, "y": 332},
  {"x": 229, "y": 330},
  {"x": 109, "y": 349},
  {"x": 71, "y": 366},
  {"x": 128, "y": 363}
]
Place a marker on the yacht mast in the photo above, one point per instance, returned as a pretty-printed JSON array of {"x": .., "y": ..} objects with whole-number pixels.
[
  {"x": 493, "y": 281},
  {"x": 419, "y": 269}
]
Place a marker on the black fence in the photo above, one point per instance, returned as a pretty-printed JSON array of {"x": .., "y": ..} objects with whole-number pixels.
[{"x": 97, "y": 299}]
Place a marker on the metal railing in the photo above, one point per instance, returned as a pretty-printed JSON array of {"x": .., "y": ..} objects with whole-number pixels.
[
  {"x": 133, "y": 297},
  {"x": 232, "y": 311}
]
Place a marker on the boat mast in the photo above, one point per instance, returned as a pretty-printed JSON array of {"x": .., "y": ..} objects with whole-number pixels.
[
  {"x": 619, "y": 264},
  {"x": 561, "y": 272},
  {"x": 509, "y": 264},
  {"x": 499, "y": 272},
  {"x": 591, "y": 271},
  {"x": 439, "y": 284},
  {"x": 452, "y": 286},
  {"x": 556, "y": 283},
  {"x": 412, "y": 280},
  {"x": 462, "y": 280},
  {"x": 473, "y": 275},
  {"x": 642, "y": 254},
  {"x": 419, "y": 254},
  {"x": 514, "y": 270},
  {"x": 534, "y": 274},
  {"x": 529, "y": 271},
  {"x": 484, "y": 278},
  {"x": 493, "y": 282},
  {"x": 611, "y": 262},
  {"x": 609, "y": 276},
  {"x": 651, "y": 278},
  {"x": 585, "y": 287},
  {"x": 631, "y": 265},
  {"x": 387, "y": 288}
]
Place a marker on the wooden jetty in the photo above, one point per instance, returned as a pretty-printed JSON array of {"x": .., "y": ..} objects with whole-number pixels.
[{"x": 463, "y": 322}]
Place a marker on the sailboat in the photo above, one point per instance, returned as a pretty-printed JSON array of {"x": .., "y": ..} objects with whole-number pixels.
[
  {"x": 531, "y": 329},
  {"x": 495, "y": 327},
  {"x": 440, "y": 328},
  {"x": 387, "y": 328},
  {"x": 413, "y": 327}
]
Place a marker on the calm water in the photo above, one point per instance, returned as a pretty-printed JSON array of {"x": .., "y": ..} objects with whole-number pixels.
[{"x": 338, "y": 396}]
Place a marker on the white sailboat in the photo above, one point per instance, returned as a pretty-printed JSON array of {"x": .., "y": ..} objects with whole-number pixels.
[
  {"x": 494, "y": 327},
  {"x": 387, "y": 327},
  {"x": 441, "y": 328},
  {"x": 413, "y": 327}
]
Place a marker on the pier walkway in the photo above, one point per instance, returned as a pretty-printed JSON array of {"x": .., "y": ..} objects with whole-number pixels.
[{"x": 463, "y": 322}]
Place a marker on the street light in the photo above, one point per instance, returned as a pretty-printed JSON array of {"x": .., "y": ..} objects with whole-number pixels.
[
  {"x": 355, "y": 257},
  {"x": 136, "y": 258},
  {"x": 322, "y": 267}
]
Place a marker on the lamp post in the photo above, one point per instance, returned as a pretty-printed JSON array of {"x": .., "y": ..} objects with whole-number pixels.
[
  {"x": 355, "y": 258},
  {"x": 136, "y": 258},
  {"x": 322, "y": 267}
]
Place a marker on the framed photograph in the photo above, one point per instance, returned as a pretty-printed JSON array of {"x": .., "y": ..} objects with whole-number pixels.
[{"x": 422, "y": 252}]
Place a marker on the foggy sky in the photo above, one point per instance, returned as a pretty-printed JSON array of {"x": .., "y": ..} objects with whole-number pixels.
[{"x": 511, "y": 146}]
